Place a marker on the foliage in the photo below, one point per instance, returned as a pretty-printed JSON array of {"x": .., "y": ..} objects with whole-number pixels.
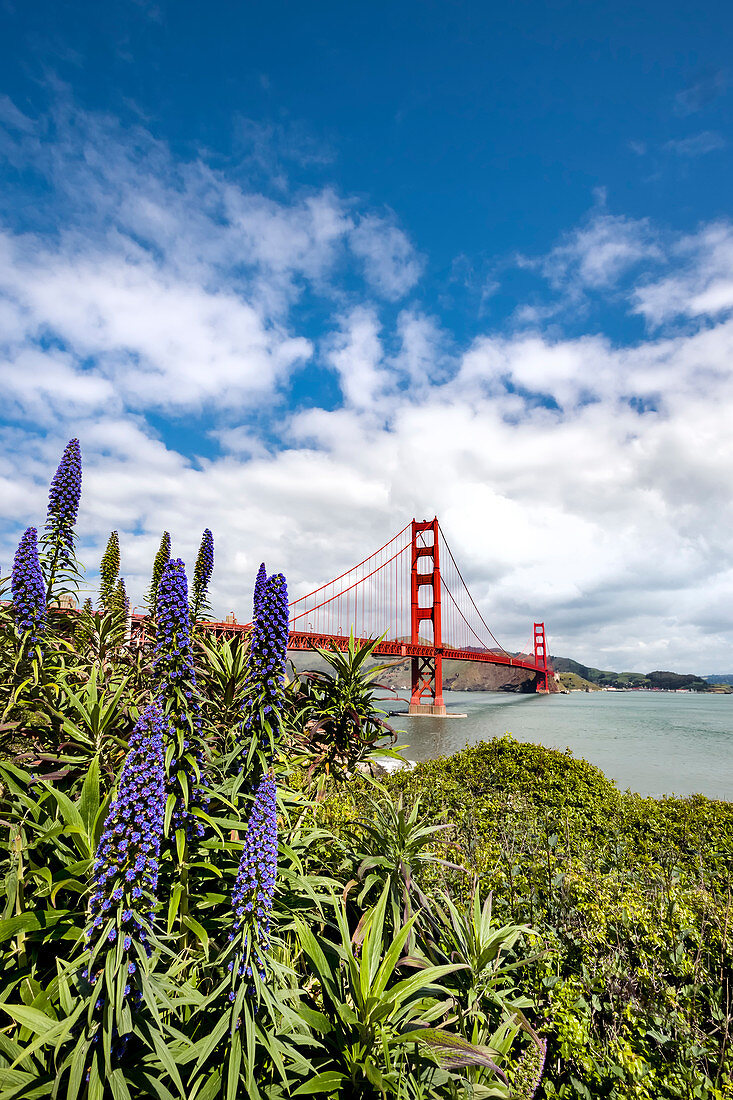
[
  {"x": 629, "y": 898},
  {"x": 337, "y": 724},
  {"x": 176, "y": 921},
  {"x": 665, "y": 681}
]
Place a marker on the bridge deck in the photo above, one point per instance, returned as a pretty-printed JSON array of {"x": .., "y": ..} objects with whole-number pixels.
[{"x": 304, "y": 640}]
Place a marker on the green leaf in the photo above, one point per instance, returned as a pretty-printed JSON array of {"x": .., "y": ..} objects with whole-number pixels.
[
  {"x": 175, "y": 901},
  {"x": 89, "y": 798},
  {"x": 235, "y": 1061},
  {"x": 209, "y": 1044},
  {"x": 31, "y": 1018},
  {"x": 31, "y": 922},
  {"x": 69, "y": 812},
  {"x": 77, "y": 1067},
  {"x": 330, "y": 1081},
  {"x": 211, "y": 1088},
  {"x": 199, "y": 931},
  {"x": 170, "y": 803},
  {"x": 116, "y": 1081},
  {"x": 315, "y": 1020},
  {"x": 161, "y": 1049}
]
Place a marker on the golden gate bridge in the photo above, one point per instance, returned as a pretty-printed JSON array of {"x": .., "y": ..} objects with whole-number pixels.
[{"x": 411, "y": 595}]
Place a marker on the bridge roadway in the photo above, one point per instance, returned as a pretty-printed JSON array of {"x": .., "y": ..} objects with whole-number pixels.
[{"x": 305, "y": 640}]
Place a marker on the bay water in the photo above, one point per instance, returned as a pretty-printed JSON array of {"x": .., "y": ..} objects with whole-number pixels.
[{"x": 655, "y": 743}]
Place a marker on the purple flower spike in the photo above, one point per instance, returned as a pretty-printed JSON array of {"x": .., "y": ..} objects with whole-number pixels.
[
  {"x": 268, "y": 650},
  {"x": 259, "y": 593},
  {"x": 177, "y": 695},
  {"x": 127, "y": 859},
  {"x": 64, "y": 496},
  {"x": 28, "y": 588},
  {"x": 255, "y": 883},
  {"x": 173, "y": 648}
]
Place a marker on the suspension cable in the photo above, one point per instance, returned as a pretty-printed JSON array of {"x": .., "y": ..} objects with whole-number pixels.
[{"x": 468, "y": 591}]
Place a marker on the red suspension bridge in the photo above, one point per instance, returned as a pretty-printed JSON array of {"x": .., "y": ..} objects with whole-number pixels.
[{"x": 411, "y": 595}]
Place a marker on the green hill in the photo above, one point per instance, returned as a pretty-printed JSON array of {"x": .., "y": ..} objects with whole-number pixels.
[{"x": 667, "y": 681}]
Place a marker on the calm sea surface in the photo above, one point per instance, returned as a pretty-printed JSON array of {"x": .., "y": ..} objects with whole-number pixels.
[{"x": 651, "y": 742}]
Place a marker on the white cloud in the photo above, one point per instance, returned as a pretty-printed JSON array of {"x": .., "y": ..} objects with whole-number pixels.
[
  {"x": 356, "y": 355},
  {"x": 390, "y": 263},
  {"x": 702, "y": 283},
  {"x": 598, "y": 252},
  {"x": 579, "y": 482},
  {"x": 697, "y": 145},
  {"x": 701, "y": 92}
]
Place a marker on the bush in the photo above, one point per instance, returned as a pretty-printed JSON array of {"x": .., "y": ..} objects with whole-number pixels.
[{"x": 630, "y": 897}]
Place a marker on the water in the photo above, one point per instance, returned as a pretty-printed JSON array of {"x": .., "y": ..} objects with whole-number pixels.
[{"x": 652, "y": 742}]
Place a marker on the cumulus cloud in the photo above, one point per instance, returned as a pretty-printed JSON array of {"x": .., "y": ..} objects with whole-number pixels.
[
  {"x": 598, "y": 252},
  {"x": 578, "y": 481},
  {"x": 390, "y": 263},
  {"x": 702, "y": 283}
]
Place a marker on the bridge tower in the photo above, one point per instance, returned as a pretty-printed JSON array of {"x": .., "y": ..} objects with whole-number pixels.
[
  {"x": 540, "y": 657},
  {"x": 427, "y": 672}
]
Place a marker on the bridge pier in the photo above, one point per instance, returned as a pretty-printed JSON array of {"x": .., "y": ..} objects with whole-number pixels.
[
  {"x": 540, "y": 659},
  {"x": 427, "y": 679}
]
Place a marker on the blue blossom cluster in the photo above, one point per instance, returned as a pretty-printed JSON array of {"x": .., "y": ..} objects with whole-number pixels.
[
  {"x": 64, "y": 496},
  {"x": 177, "y": 694},
  {"x": 259, "y": 592},
  {"x": 172, "y": 661},
  {"x": 255, "y": 882},
  {"x": 202, "y": 573},
  {"x": 28, "y": 588},
  {"x": 268, "y": 650},
  {"x": 127, "y": 859}
]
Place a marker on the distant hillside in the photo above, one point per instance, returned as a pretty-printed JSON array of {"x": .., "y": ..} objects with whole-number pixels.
[
  {"x": 572, "y": 682},
  {"x": 478, "y": 676},
  {"x": 668, "y": 681}
]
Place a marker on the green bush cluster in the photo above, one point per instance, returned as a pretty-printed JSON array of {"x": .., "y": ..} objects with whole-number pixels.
[{"x": 630, "y": 901}]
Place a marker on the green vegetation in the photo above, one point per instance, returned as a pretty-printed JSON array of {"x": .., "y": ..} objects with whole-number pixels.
[
  {"x": 665, "y": 681},
  {"x": 176, "y": 920},
  {"x": 630, "y": 902},
  {"x": 206, "y": 895},
  {"x": 572, "y": 682}
]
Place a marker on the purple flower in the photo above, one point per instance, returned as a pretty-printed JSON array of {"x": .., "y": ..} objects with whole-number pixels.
[
  {"x": 175, "y": 689},
  {"x": 29, "y": 591},
  {"x": 259, "y": 592},
  {"x": 266, "y": 669},
  {"x": 255, "y": 882},
  {"x": 64, "y": 495},
  {"x": 58, "y": 561},
  {"x": 139, "y": 806}
]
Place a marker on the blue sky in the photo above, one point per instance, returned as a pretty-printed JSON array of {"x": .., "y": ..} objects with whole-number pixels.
[{"x": 299, "y": 272}]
